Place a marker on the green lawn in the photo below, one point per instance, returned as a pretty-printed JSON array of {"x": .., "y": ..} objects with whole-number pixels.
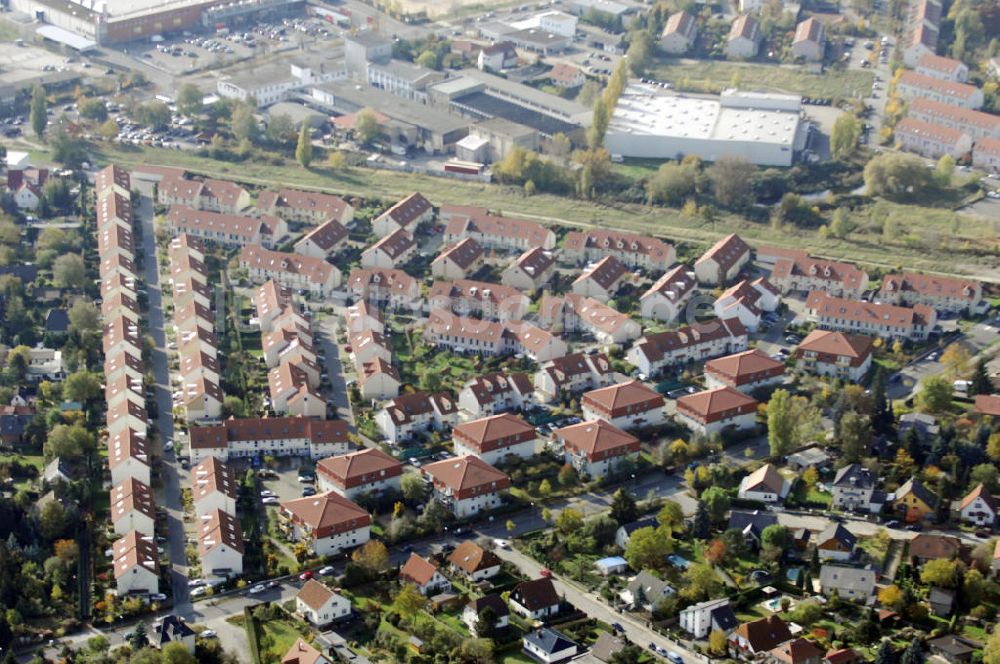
[
  {"x": 283, "y": 632},
  {"x": 8, "y": 31},
  {"x": 961, "y": 254},
  {"x": 716, "y": 75}
]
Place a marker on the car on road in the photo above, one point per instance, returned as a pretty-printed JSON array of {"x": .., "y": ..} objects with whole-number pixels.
[
  {"x": 306, "y": 575},
  {"x": 259, "y": 588},
  {"x": 208, "y": 634},
  {"x": 158, "y": 597},
  {"x": 792, "y": 339},
  {"x": 270, "y": 500},
  {"x": 502, "y": 543},
  {"x": 546, "y": 572},
  {"x": 266, "y": 493},
  {"x": 307, "y": 478},
  {"x": 914, "y": 527},
  {"x": 308, "y": 491},
  {"x": 327, "y": 571},
  {"x": 675, "y": 658},
  {"x": 194, "y": 583},
  {"x": 168, "y": 445},
  {"x": 618, "y": 627},
  {"x": 414, "y": 461},
  {"x": 199, "y": 591},
  {"x": 892, "y": 524}
]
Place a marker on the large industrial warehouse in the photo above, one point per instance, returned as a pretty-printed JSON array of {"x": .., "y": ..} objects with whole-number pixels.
[
  {"x": 122, "y": 21},
  {"x": 648, "y": 122}
]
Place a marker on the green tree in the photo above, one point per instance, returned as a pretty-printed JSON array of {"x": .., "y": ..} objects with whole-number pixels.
[
  {"x": 855, "y": 436},
  {"x": 139, "y": 639},
  {"x": 409, "y": 602},
  {"x": 845, "y": 136},
  {"x": 944, "y": 171},
  {"x": 991, "y": 650},
  {"x": 980, "y": 379},
  {"x": 780, "y": 423},
  {"x": 569, "y": 521},
  {"x": 68, "y": 271},
  {"x": 38, "y": 115},
  {"x": 896, "y": 175},
  {"x": 671, "y": 516},
  {"x": 942, "y": 573},
  {"x": 84, "y": 317},
  {"x": 914, "y": 653},
  {"x": 53, "y": 520},
  {"x": 732, "y": 181},
  {"x": 672, "y": 184},
  {"x": 414, "y": 488},
  {"x": 985, "y": 474},
  {"x": 304, "y": 149},
  {"x": 189, "y": 100},
  {"x": 373, "y": 556},
  {"x": 935, "y": 394},
  {"x": 176, "y": 653},
  {"x": 280, "y": 128},
  {"x": 702, "y": 526},
  {"x": 233, "y": 406},
  {"x": 717, "y": 502},
  {"x": 776, "y": 536},
  {"x": 82, "y": 386},
  {"x": 630, "y": 654},
  {"x": 428, "y": 59},
  {"x": 640, "y": 50},
  {"x": 887, "y": 655},
  {"x": 243, "y": 124},
  {"x": 623, "y": 508},
  {"x": 717, "y": 642},
  {"x": 840, "y": 226},
  {"x": 154, "y": 114},
  {"x": 701, "y": 582},
  {"x": 366, "y": 126},
  {"x": 94, "y": 109},
  {"x": 647, "y": 547}
]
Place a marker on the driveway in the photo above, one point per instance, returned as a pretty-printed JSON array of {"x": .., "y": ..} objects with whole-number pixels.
[
  {"x": 169, "y": 468},
  {"x": 636, "y": 630}
]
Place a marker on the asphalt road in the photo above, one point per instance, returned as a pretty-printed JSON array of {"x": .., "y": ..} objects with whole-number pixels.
[
  {"x": 634, "y": 629},
  {"x": 171, "y": 489}
]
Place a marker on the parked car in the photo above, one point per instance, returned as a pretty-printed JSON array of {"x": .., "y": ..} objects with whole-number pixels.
[
  {"x": 270, "y": 500},
  {"x": 546, "y": 572},
  {"x": 158, "y": 597},
  {"x": 675, "y": 658},
  {"x": 259, "y": 588},
  {"x": 199, "y": 591},
  {"x": 306, "y": 575},
  {"x": 327, "y": 571},
  {"x": 208, "y": 634}
]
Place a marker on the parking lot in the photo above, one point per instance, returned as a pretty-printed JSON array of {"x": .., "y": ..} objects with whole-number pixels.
[{"x": 189, "y": 53}]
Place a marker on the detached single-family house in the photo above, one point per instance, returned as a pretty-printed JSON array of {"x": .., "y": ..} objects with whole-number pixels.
[
  {"x": 549, "y": 646},
  {"x": 474, "y": 610},
  {"x": 914, "y": 501},
  {"x": 926, "y": 547},
  {"x": 699, "y": 620},
  {"x": 474, "y": 562},
  {"x": 679, "y": 33},
  {"x": 424, "y": 574},
  {"x": 765, "y": 484},
  {"x": 320, "y": 605},
  {"x": 836, "y": 543},
  {"x": 750, "y": 639},
  {"x": 978, "y": 507},
  {"x": 851, "y": 583},
  {"x": 645, "y": 590},
  {"x": 853, "y": 488},
  {"x": 716, "y": 410},
  {"x": 535, "y": 599},
  {"x": 630, "y": 405}
]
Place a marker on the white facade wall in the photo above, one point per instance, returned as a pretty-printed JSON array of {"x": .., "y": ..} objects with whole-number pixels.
[
  {"x": 523, "y": 450},
  {"x": 740, "y": 422}
]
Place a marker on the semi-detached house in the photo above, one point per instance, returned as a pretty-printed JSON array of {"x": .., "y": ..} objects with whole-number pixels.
[
  {"x": 496, "y": 392},
  {"x": 406, "y": 215},
  {"x": 273, "y": 436},
  {"x": 912, "y": 85},
  {"x": 628, "y": 405},
  {"x": 136, "y": 565},
  {"x": 715, "y": 410},
  {"x": 327, "y": 523},
  {"x": 392, "y": 251},
  {"x": 213, "y": 487},
  {"x": 882, "y": 320},
  {"x": 941, "y": 293},
  {"x": 531, "y": 270},
  {"x": 596, "y": 448},
  {"x": 746, "y": 371},
  {"x": 133, "y": 507},
  {"x": 667, "y": 297},
  {"x": 976, "y": 124},
  {"x": 458, "y": 261},
  {"x": 292, "y": 270},
  {"x": 808, "y": 274},
  {"x": 466, "y": 485},
  {"x": 724, "y": 260},
  {"x": 220, "y": 543},
  {"x": 365, "y": 471},
  {"x": 494, "y": 438},
  {"x": 307, "y": 207},
  {"x": 228, "y": 230},
  {"x": 635, "y": 251},
  {"x": 655, "y": 352},
  {"x": 409, "y": 414},
  {"x": 837, "y": 354},
  {"x": 931, "y": 140},
  {"x": 323, "y": 241},
  {"x": 572, "y": 374}
]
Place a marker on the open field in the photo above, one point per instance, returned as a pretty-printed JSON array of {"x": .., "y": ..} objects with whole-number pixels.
[
  {"x": 863, "y": 246},
  {"x": 715, "y": 75}
]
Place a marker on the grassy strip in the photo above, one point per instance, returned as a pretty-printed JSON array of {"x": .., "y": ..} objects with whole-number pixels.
[
  {"x": 864, "y": 246},
  {"x": 253, "y": 635},
  {"x": 713, "y": 76}
]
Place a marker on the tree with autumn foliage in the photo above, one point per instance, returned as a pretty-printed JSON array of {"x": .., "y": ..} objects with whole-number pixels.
[{"x": 716, "y": 552}]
